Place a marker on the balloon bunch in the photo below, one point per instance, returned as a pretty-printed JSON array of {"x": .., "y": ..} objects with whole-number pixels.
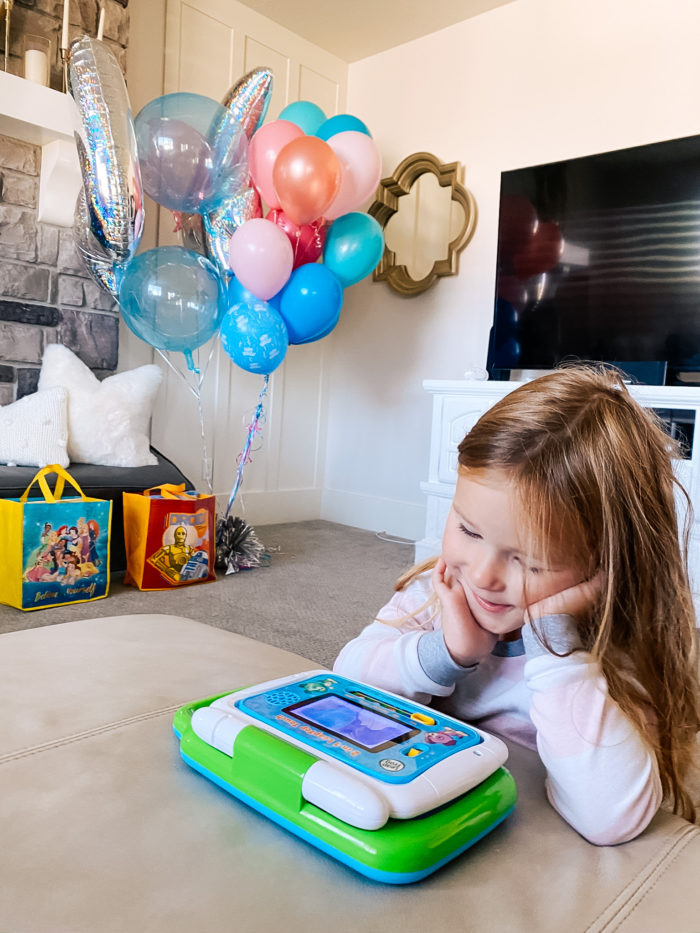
[
  {"x": 312, "y": 173},
  {"x": 268, "y": 212},
  {"x": 262, "y": 281}
]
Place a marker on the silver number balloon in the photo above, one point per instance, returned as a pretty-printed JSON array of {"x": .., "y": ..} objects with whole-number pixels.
[{"x": 107, "y": 148}]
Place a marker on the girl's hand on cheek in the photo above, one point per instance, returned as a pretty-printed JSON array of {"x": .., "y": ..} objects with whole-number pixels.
[
  {"x": 465, "y": 639},
  {"x": 574, "y": 601}
]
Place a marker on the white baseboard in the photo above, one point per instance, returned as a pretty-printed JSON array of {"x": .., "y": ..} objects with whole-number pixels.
[
  {"x": 374, "y": 513},
  {"x": 263, "y": 507}
]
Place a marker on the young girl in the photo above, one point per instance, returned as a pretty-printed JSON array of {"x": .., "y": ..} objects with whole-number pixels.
[{"x": 559, "y": 613}]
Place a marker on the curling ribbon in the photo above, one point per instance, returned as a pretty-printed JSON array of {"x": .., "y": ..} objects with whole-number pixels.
[{"x": 255, "y": 427}]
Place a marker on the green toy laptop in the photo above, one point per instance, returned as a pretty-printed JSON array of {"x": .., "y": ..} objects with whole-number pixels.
[{"x": 391, "y": 788}]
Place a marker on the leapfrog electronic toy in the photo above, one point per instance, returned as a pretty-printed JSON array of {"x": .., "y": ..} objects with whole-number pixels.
[{"x": 392, "y": 788}]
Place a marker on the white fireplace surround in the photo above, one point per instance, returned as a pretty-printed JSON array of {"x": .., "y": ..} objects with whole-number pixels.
[
  {"x": 457, "y": 405},
  {"x": 47, "y": 118}
]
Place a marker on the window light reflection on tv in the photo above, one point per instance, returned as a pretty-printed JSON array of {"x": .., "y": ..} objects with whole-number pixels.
[{"x": 599, "y": 259}]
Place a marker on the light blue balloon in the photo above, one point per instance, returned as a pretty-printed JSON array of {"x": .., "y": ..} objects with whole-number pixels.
[
  {"x": 305, "y": 115},
  {"x": 172, "y": 298},
  {"x": 310, "y": 303},
  {"x": 254, "y": 336},
  {"x": 354, "y": 245},
  {"x": 340, "y": 123}
]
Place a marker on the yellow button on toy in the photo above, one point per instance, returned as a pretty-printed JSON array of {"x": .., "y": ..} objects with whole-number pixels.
[
  {"x": 413, "y": 752},
  {"x": 421, "y": 717}
]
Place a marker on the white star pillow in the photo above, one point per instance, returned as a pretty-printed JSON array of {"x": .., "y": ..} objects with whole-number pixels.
[
  {"x": 108, "y": 421},
  {"x": 34, "y": 430}
]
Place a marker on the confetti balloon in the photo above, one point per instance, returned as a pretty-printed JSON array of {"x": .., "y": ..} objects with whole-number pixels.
[{"x": 254, "y": 336}]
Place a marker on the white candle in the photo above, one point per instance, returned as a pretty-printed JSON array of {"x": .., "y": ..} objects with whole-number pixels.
[
  {"x": 36, "y": 66},
  {"x": 66, "y": 24},
  {"x": 101, "y": 23}
]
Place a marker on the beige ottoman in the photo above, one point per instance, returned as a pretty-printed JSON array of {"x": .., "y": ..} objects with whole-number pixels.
[{"x": 103, "y": 827}]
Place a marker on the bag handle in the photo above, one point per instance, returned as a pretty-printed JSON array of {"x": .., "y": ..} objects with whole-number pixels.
[
  {"x": 170, "y": 491},
  {"x": 61, "y": 477}
]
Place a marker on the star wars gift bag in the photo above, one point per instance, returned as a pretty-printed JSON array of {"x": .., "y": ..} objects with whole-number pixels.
[
  {"x": 170, "y": 537},
  {"x": 55, "y": 549}
]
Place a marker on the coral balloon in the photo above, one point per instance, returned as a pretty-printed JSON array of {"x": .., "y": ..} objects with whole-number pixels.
[
  {"x": 265, "y": 145},
  {"x": 307, "y": 240},
  {"x": 254, "y": 336},
  {"x": 261, "y": 257},
  {"x": 360, "y": 171},
  {"x": 306, "y": 178}
]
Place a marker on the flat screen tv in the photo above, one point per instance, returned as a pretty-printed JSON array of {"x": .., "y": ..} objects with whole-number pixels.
[{"x": 599, "y": 259}]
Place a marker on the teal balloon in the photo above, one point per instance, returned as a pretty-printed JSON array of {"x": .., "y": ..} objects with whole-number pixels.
[
  {"x": 310, "y": 303},
  {"x": 254, "y": 335},
  {"x": 339, "y": 124},
  {"x": 305, "y": 115},
  {"x": 172, "y": 298},
  {"x": 354, "y": 245}
]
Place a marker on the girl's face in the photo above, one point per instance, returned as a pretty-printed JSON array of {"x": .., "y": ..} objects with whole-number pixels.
[{"x": 484, "y": 551}]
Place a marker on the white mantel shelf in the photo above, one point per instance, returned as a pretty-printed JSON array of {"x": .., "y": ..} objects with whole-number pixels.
[{"x": 46, "y": 118}]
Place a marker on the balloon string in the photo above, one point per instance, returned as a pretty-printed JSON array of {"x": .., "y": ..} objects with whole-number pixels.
[
  {"x": 196, "y": 391},
  {"x": 254, "y": 428}
]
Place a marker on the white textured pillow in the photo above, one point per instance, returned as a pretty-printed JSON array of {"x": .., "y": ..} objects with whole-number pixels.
[
  {"x": 108, "y": 421},
  {"x": 34, "y": 430}
]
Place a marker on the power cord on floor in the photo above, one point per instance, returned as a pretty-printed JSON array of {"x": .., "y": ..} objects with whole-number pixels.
[{"x": 383, "y": 536}]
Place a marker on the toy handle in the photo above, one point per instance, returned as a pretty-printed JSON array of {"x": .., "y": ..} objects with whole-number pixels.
[
  {"x": 333, "y": 790},
  {"x": 329, "y": 787},
  {"x": 61, "y": 477}
]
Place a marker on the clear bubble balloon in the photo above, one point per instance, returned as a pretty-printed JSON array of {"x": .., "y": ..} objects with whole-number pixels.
[
  {"x": 172, "y": 298},
  {"x": 192, "y": 152}
]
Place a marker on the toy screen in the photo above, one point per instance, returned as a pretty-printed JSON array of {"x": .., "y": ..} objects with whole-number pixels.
[{"x": 357, "y": 724}]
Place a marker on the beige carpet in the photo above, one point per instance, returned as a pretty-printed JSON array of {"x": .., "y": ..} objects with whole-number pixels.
[{"x": 323, "y": 583}]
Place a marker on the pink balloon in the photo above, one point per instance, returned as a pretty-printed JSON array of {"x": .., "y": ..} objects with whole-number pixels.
[
  {"x": 265, "y": 145},
  {"x": 360, "y": 171},
  {"x": 261, "y": 257}
]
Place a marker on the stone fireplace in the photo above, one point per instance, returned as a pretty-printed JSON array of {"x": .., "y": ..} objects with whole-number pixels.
[{"x": 46, "y": 295}]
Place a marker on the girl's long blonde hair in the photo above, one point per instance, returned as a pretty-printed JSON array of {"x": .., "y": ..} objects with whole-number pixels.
[{"x": 590, "y": 462}]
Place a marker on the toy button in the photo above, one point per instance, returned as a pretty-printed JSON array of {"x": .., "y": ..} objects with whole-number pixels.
[
  {"x": 414, "y": 752},
  {"x": 421, "y": 717}
]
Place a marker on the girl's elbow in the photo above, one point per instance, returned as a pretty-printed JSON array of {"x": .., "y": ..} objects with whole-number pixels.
[
  {"x": 616, "y": 824},
  {"x": 611, "y": 835}
]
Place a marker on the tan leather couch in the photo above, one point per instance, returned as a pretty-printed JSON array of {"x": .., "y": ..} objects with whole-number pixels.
[{"x": 103, "y": 827}]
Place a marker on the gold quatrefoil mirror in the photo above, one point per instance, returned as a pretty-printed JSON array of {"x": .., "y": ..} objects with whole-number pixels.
[{"x": 428, "y": 218}]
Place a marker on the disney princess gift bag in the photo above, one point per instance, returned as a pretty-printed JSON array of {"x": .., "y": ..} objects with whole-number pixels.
[
  {"x": 55, "y": 547},
  {"x": 170, "y": 537}
]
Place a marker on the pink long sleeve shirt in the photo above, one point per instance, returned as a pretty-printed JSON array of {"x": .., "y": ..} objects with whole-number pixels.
[{"x": 602, "y": 777}]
